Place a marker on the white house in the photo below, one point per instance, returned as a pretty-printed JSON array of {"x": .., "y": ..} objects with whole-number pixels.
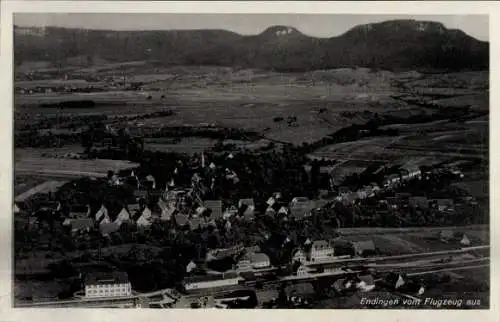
[
  {"x": 300, "y": 256},
  {"x": 465, "y": 241},
  {"x": 101, "y": 214},
  {"x": 106, "y": 220},
  {"x": 122, "y": 217},
  {"x": 366, "y": 283},
  {"x": 190, "y": 267},
  {"x": 114, "y": 284},
  {"x": 167, "y": 210},
  {"x": 144, "y": 219},
  {"x": 302, "y": 271},
  {"x": 244, "y": 264},
  {"x": 259, "y": 260},
  {"x": 321, "y": 249}
]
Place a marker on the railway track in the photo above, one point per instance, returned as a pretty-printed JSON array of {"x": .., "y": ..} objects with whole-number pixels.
[{"x": 366, "y": 263}]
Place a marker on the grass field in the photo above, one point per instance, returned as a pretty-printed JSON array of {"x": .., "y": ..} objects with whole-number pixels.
[
  {"x": 30, "y": 162},
  {"x": 322, "y": 102}
]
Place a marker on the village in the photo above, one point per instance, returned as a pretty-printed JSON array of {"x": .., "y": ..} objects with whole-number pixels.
[{"x": 226, "y": 242}]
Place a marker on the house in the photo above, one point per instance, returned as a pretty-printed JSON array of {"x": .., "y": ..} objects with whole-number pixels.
[
  {"x": 229, "y": 212},
  {"x": 413, "y": 171},
  {"x": 144, "y": 218},
  {"x": 81, "y": 225},
  {"x": 259, "y": 260},
  {"x": 365, "y": 283},
  {"x": 299, "y": 256},
  {"x": 247, "y": 206},
  {"x": 362, "y": 248},
  {"x": 419, "y": 202},
  {"x": 270, "y": 211},
  {"x": 115, "y": 284},
  {"x": 107, "y": 229},
  {"x": 444, "y": 204},
  {"x": 302, "y": 270},
  {"x": 283, "y": 211},
  {"x": 215, "y": 208},
  {"x": 67, "y": 222},
  {"x": 244, "y": 263},
  {"x": 166, "y": 210},
  {"x": 404, "y": 174},
  {"x": 16, "y": 208},
  {"x": 190, "y": 267},
  {"x": 465, "y": 240},
  {"x": 301, "y": 209},
  {"x": 321, "y": 249},
  {"x": 101, "y": 214},
  {"x": 342, "y": 285},
  {"x": 123, "y": 216}
]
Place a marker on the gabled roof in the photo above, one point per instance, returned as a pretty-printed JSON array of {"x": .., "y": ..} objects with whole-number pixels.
[
  {"x": 302, "y": 209},
  {"x": 258, "y": 257}
]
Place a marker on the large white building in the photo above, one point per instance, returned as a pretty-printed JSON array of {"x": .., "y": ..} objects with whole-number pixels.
[
  {"x": 321, "y": 249},
  {"x": 260, "y": 260},
  {"x": 114, "y": 284}
]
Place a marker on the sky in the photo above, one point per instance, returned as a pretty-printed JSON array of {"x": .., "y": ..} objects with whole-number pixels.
[{"x": 326, "y": 25}]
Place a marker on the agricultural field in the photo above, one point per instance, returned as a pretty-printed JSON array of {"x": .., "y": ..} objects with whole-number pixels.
[
  {"x": 31, "y": 162},
  {"x": 292, "y": 108}
]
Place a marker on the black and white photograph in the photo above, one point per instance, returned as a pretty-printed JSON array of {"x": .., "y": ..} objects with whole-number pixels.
[{"x": 250, "y": 161}]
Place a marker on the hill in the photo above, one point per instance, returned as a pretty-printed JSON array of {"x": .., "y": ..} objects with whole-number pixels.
[{"x": 396, "y": 44}]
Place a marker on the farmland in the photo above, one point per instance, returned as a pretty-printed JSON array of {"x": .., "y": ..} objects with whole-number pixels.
[{"x": 206, "y": 105}]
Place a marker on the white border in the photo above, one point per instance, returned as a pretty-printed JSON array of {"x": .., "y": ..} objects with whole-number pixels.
[{"x": 8, "y": 7}]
